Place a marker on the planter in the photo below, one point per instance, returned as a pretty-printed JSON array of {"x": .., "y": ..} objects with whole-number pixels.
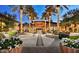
[
  {"x": 65, "y": 49},
  {"x": 13, "y": 50},
  {"x": 11, "y": 45},
  {"x": 16, "y": 50}
]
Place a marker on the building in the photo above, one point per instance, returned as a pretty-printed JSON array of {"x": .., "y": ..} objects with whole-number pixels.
[
  {"x": 42, "y": 25},
  {"x": 7, "y": 22},
  {"x": 70, "y": 28}
]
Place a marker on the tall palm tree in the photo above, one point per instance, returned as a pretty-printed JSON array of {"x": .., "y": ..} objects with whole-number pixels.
[
  {"x": 49, "y": 11},
  {"x": 73, "y": 16},
  {"x": 21, "y": 9},
  {"x": 34, "y": 17},
  {"x": 57, "y": 9},
  {"x": 44, "y": 17},
  {"x": 31, "y": 15}
]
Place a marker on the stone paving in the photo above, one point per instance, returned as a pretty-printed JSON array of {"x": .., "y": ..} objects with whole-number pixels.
[
  {"x": 40, "y": 44},
  {"x": 28, "y": 41}
]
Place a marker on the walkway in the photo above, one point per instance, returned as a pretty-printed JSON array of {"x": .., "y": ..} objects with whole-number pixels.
[{"x": 40, "y": 44}]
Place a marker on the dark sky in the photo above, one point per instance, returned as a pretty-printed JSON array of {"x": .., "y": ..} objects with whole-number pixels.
[{"x": 38, "y": 8}]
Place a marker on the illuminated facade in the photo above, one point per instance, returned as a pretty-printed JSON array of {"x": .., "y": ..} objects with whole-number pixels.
[{"x": 41, "y": 25}]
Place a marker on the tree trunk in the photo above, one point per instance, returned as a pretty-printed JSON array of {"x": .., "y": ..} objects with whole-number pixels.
[
  {"x": 45, "y": 26},
  {"x": 21, "y": 26},
  {"x": 49, "y": 22},
  {"x": 58, "y": 14},
  {"x": 29, "y": 27},
  {"x": 29, "y": 24},
  {"x": 33, "y": 26}
]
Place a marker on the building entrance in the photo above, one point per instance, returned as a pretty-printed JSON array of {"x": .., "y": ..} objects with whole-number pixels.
[{"x": 39, "y": 30}]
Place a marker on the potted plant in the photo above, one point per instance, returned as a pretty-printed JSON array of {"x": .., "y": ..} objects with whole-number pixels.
[
  {"x": 70, "y": 45},
  {"x": 18, "y": 46},
  {"x": 10, "y": 45}
]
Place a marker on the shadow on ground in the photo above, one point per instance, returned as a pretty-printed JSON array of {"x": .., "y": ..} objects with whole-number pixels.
[{"x": 40, "y": 50}]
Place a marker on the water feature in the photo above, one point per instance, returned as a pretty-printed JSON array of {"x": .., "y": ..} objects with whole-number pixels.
[{"x": 39, "y": 39}]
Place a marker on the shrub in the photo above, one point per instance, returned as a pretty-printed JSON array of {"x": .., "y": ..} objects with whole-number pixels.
[
  {"x": 71, "y": 43},
  {"x": 10, "y": 43}
]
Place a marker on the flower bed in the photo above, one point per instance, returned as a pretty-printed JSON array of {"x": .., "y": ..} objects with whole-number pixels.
[
  {"x": 65, "y": 49},
  {"x": 70, "y": 45},
  {"x": 10, "y": 45}
]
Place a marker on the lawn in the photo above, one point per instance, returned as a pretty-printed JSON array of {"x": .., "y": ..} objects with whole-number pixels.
[{"x": 73, "y": 37}]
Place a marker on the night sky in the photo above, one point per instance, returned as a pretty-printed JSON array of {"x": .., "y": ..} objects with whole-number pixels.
[{"x": 38, "y": 8}]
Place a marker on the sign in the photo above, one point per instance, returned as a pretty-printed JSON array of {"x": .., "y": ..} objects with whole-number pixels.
[{"x": 39, "y": 24}]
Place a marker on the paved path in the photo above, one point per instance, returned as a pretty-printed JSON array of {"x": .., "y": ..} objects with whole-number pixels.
[{"x": 40, "y": 44}]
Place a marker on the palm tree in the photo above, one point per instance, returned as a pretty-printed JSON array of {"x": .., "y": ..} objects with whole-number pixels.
[
  {"x": 31, "y": 15},
  {"x": 34, "y": 16},
  {"x": 44, "y": 17},
  {"x": 49, "y": 11},
  {"x": 21, "y": 9},
  {"x": 73, "y": 16},
  {"x": 57, "y": 9}
]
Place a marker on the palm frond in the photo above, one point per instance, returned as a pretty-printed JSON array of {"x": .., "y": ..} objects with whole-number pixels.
[
  {"x": 14, "y": 8},
  {"x": 65, "y": 6}
]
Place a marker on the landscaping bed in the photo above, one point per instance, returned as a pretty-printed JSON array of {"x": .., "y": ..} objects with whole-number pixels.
[
  {"x": 65, "y": 49},
  {"x": 11, "y": 45},
  {"x": 70, "y": 44}
]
